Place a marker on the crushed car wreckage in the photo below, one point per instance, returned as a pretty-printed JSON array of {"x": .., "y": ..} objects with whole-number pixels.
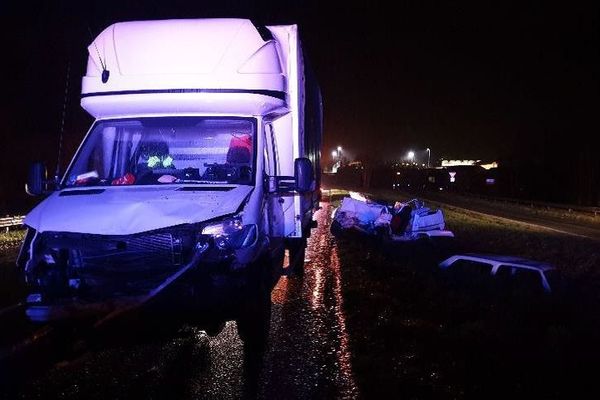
[{"x": 402, "y": 222}]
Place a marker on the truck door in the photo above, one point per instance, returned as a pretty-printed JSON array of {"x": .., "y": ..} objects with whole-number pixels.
[
  {"x": 286, "y": 151},
  {"x": 275, "y": 202}
]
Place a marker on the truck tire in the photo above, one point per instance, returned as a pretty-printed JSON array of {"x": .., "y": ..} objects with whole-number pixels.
[
  {"x": 254, "y": 318},
  {"x": 297, "y": 254}
]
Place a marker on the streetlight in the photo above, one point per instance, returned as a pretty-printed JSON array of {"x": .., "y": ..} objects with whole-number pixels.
[
  {"x": 335, "y": 156},
  {"x": 339, "y": 154},
  {"x": 411, "y": 156},
  {"x": 428, "y": 156}
]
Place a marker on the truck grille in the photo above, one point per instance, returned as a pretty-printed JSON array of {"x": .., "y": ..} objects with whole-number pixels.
[
  {"x": 135, "y": 254},
  {"x": 100, "y": 254}
]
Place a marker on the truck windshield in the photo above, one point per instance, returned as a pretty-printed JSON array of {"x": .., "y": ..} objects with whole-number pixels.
[{"x": 165, "y": 150}]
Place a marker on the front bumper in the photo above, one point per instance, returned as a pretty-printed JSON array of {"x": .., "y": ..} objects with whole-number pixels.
[
  {"x": 79, "y": 275},
  {"x": 70, "y": 308},
  {"x": 206, "y": 285}
]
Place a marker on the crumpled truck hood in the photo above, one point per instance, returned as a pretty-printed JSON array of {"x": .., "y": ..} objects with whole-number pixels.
[{"x": 129, "y": 210}]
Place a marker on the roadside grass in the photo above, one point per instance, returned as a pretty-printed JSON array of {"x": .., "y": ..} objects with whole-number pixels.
[
  {"x": 420, "y": 332},
  {"x": 12, "y": 288},
  {"x": 566, "y": 215},
  {"x": 9, "y": 242}
]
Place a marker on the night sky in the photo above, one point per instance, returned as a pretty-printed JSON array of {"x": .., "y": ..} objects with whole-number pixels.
[{"x": 468, "y": 80}]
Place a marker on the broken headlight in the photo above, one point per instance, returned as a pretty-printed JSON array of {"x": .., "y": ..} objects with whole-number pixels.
[{"x": 231, "y": 234}]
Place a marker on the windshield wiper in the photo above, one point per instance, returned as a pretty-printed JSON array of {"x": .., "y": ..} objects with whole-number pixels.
[{"x": 201, "y": 181}]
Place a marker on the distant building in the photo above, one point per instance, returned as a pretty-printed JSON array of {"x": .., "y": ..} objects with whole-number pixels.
[{"x": 457, "y": 163}]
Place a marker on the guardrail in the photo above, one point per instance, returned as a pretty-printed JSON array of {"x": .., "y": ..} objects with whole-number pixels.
[{"x": 8, "y": 222}]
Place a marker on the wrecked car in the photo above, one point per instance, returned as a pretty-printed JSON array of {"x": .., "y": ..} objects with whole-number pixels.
[
  {"x": 402, "y": 222},
  {"x": 516, "y": 271}
]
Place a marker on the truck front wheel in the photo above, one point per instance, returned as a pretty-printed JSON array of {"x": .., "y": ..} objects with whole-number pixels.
[
  {"x": 297, "y": 254},
  {"x": 254, "y": 318}
]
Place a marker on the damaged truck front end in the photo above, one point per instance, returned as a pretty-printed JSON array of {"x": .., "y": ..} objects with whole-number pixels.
[{"x": 76, "y": 275}]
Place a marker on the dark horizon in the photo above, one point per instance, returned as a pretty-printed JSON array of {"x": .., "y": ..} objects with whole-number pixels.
[{"x": 468, "y": 81}]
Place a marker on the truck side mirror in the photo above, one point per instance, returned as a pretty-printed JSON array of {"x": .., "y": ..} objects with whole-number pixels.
[
  {"x": 36, "y": 179},
  {"x": 303, "y": 174}
]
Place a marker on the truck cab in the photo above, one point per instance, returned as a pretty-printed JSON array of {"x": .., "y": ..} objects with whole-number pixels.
[{"x": 200, "y": 170}]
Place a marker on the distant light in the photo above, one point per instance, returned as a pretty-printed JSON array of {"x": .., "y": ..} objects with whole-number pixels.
[
  {"x": 441, "y": 189},
  {"x": 398, "y": 173},
  {"x": 339, "y": 148},
  {"x": 334, "y": 153},
  {"x": 411, "y": 155},
  {"x": 490, "y": 181},
  {"x": 452, "y": 176},
  {"x": 490, "y": 165},
  {"x": 454, "y": 163}
]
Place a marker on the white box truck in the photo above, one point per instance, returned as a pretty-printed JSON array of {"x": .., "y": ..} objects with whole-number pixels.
[{"x": 200, "y": 170}]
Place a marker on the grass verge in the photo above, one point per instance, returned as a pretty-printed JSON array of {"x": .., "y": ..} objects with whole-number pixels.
[{"x": 12, "y": 288}]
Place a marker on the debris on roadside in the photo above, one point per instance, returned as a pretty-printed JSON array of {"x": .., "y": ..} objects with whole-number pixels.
[{"x": 404, "y": 221}]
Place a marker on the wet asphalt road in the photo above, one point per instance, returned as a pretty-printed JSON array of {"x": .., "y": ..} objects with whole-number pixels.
[{"x": 308, "y": 355}]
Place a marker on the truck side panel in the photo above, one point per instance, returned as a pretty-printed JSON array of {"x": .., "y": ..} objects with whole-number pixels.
[{"x": 301, "y": 129}]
